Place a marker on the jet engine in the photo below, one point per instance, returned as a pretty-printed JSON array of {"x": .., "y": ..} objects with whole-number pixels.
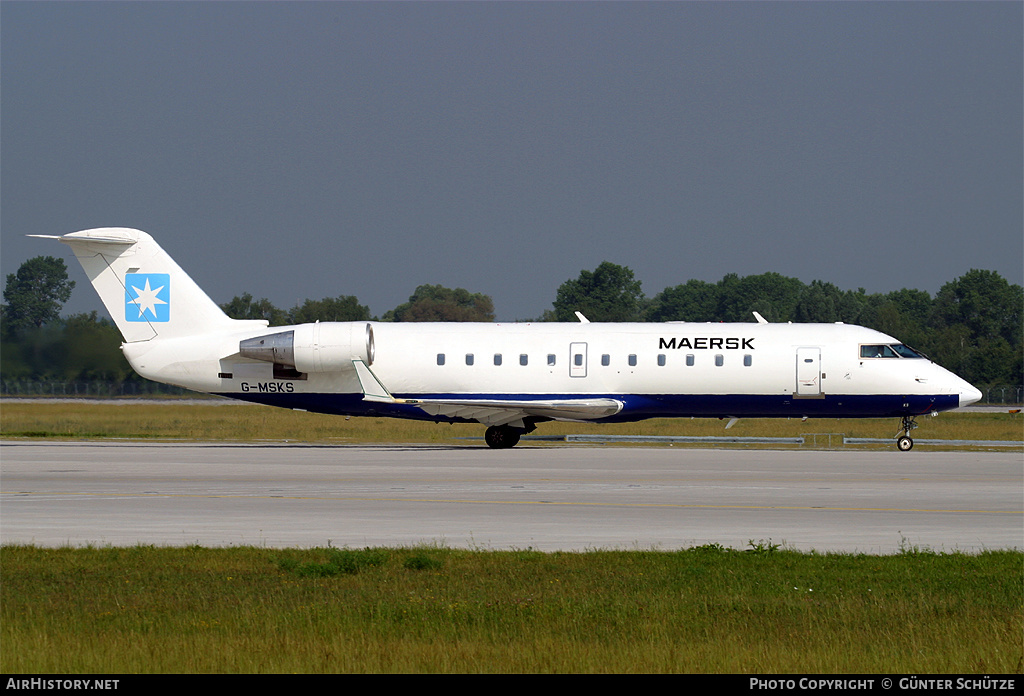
[{"x": 320, "y": 347}]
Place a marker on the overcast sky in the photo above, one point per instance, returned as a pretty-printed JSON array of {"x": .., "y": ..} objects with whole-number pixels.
[{"x": 309, "y": 149}]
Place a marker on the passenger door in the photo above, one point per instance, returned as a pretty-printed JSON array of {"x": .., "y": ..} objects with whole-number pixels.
[{"x": 808, "y": 372}]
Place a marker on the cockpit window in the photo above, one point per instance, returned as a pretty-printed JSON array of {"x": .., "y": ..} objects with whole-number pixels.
[
  {"x": 879, "y": 351},
  {"x": 894, "y": 350},
  {"x": 906, "y": 351}
]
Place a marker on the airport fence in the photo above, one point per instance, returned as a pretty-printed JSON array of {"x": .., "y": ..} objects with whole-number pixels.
[{"x": 999, "y": 394}]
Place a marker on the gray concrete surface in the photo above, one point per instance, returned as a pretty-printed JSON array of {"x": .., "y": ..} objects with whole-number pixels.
[{"x": 541, "y": 497}]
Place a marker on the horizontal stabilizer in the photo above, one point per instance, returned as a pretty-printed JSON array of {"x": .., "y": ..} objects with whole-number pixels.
[{"x": 108, "y": 235}]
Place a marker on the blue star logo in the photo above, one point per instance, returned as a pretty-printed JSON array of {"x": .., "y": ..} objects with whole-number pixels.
[{"x": 147, "y": 297}]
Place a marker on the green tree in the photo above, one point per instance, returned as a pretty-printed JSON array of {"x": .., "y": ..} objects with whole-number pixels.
[
  {"x": 979, "y": 320},
  {"x": 694, "y": 300},
  {"x": 438, "y": 303},
  {"x": 609, "y": 293},
  {"x": 36, "y": 293},
  {"x": 817, "y": 304},
  {"x": 914, "y": 305},
  {"x": 772, "y": 295},
  {"x": 902, "y": 314},
  {"x": 14, "y": 359},
  {"x": 985, "y": 303},
  {"x": 822, "y": 302},
  {"x": 341, "y": 308},
  {"x": 90, "y": 349},
  {"x": 245, "y": 307}
]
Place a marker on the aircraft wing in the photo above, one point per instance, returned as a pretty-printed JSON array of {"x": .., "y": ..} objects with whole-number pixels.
[
  {"x": 500, "y": 412},
  {"x": 492, "y": 411}
]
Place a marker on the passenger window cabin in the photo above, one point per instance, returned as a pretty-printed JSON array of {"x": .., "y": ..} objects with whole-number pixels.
[{"x": 866, "y": 351}]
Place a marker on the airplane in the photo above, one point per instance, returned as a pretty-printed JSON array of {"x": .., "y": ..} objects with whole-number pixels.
[{"x": 507, "y": 376}]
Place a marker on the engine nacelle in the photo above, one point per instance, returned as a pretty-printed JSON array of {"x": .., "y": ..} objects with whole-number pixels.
[{"x": 321, "y": 347}]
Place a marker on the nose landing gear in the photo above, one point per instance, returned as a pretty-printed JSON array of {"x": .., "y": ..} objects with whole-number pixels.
[{"x": 904, "y": 442}]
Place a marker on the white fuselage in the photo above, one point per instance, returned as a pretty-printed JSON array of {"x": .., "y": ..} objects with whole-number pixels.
[{"x": 672, "y": 369}]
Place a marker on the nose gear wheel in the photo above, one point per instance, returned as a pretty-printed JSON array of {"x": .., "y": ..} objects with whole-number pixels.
[{"x": 904, "y": 443}]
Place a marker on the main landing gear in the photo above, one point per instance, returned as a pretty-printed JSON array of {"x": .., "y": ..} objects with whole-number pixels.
[
  {"x": 904, "y": 442},
  {"x": 502, "y": 436}
]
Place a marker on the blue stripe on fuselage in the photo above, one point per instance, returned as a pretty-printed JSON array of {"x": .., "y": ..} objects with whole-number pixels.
[{"x": 636, "y": 406}]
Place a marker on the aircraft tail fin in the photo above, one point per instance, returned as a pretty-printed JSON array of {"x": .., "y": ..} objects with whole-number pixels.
[{"x": 146, "y": 293}]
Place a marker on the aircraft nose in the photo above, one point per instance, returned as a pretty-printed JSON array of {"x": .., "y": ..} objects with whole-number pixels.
[{"x": 968, "y": 395}]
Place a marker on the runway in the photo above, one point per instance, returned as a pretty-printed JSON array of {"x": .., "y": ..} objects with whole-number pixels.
[{"x": 541, "y": 497}]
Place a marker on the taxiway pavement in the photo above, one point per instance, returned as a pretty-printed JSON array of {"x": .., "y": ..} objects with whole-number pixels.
[{"x": 541, "y": 497}]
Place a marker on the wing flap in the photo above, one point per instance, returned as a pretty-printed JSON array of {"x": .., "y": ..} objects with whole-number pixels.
[
  {"x": 491, "y": 411},
  {"x": 500, "y": 411}
]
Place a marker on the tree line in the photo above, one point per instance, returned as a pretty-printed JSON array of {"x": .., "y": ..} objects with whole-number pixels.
[
  {"x": 973, "y": 326},
  {"x": 428, "y": 303}
]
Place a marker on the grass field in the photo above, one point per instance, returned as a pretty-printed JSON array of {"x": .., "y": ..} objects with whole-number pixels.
[
  {"x": 205, "y": 421},
  {"x": 702, "y": 610}
]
